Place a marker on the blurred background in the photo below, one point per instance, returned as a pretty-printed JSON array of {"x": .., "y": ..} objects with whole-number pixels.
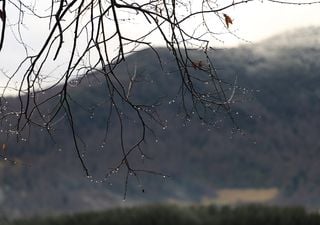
[{"x": 274, "y": 160}]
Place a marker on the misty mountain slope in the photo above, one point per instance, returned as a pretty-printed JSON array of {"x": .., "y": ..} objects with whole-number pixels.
[{"x": 277, "y": 106}]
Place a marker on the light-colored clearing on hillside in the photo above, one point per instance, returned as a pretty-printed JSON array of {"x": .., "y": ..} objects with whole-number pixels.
[{"x": 237, "y": 196}]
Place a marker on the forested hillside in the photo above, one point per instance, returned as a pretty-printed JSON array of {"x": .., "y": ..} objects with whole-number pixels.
[{"x": 276, "y": 106}]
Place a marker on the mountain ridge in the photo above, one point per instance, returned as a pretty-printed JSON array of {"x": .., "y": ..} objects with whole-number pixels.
[{"x": 276, "y": 105}]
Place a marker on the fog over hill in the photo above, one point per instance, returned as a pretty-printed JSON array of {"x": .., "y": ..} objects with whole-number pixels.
[
  {"x": 303, "y": 37},
  {"x": 277, "y": 105}
]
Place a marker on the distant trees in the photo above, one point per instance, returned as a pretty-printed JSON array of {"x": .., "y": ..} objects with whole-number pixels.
[
  {"x": 81, "y": 39},
  {"x": 172, "y": 214}
]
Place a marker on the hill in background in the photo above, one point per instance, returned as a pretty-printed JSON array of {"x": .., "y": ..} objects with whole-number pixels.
[{"x": 276, "y": 104}]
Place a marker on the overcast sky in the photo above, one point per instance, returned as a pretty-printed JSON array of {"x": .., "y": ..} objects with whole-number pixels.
[
  {"x": 252, "y": 21},
  {"x": 258, "y": 20}
]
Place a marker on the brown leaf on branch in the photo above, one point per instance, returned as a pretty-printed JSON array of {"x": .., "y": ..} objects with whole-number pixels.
[
  {"x": 197, "y": 64},
  {"x": 227, "y": 19}
]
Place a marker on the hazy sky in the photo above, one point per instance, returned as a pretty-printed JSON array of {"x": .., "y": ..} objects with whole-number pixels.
[
  {"x": 259, "y": 20},
  {"x": 252, "y": 21}
]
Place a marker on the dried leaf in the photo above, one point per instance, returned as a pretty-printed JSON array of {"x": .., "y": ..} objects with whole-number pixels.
[
  {"x": 194, "y": 65},
  {"x": 197, "y": 64},
  {"x": 227, "y": 19}
]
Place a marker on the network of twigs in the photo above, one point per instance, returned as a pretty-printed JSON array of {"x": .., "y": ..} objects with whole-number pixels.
[{"x": 95, "y": 25}]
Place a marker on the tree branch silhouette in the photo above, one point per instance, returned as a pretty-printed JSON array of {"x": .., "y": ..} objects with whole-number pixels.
[{"x": 91, "y": 37}]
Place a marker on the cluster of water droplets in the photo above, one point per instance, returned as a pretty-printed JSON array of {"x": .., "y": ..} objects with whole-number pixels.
[
  {"x": 74, "y": 82},
  {"x": 165, "y": 125},
  {"x": 102, "y": 146},
  {"x": 172, "y": 101},
  {"x": 92, "y": 116}
]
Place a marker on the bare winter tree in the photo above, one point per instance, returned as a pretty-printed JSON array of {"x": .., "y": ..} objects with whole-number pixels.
[{"x": 83, "y": 38}]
